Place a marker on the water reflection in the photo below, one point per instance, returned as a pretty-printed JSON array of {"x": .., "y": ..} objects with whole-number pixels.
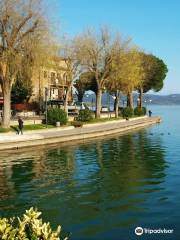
[{"x": 93, "y": 189}]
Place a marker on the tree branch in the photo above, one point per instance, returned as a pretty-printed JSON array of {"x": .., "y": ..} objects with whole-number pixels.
[
  {"x": 30, "y": 30},
  {"x": 16, "y": 30}
]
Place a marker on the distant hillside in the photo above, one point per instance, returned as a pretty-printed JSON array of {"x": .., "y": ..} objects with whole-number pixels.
[{"x": 172, "y": 99}]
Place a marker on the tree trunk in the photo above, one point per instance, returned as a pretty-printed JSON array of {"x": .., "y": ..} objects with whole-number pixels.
[
  {"x": 66, "y": 102},
  {"x": 6, "y": 107},
  {"x": 141, "y": 98},
  {"x": 114, "y": 105},
  {"x": 130, "y": 102},
  {"x": 80, "y": 97},
  {"x": 117, "y": 104},
  {"x": 98, "y": 103}
]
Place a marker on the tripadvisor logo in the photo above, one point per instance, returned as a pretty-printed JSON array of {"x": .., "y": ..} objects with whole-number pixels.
[{"x": 139, "y": 231}]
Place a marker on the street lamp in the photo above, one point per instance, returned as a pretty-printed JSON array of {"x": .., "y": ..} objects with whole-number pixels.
[
  {"x": 108, "y": 99},
  {"x": 114, "y": 98},
  {"x": 46, "y": 96}
]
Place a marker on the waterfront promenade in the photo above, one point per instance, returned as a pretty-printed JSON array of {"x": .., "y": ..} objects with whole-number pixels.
[{"x": 65, "y": 134}]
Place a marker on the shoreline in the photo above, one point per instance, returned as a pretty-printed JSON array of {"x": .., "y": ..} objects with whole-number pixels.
[{"x": 62, "y": 135}]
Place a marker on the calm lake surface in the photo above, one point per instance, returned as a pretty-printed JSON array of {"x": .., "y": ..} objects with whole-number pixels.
[{"x": 101, "y": 189}]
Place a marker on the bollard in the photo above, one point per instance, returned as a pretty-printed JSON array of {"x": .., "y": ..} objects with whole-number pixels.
[{"x": 58, "y": 124}]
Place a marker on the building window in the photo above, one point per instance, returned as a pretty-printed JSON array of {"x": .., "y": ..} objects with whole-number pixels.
[
  {"x": 53, "y": 75},
  {"x": 64, "y": 79},
  {"x": 58, "y": 76},
  {"x": 45, "y": 74},
  {"x": 54, "y": 93}
]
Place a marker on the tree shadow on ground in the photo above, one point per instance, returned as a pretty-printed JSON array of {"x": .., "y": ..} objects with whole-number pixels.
[{"x": 15, "y": 129}]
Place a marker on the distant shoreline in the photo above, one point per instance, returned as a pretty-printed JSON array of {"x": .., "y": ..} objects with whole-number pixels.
[{"x": 149, "y": 99}]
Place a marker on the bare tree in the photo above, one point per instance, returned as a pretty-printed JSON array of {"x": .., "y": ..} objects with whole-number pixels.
[
  {"x": 94, "y": 53},
  {"x": 20, "y": 23},
  {"x": 73, "y": 69}
]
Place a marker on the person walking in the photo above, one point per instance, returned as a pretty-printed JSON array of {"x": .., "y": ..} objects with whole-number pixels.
[
  {"x": 150, "y": 113},
  {"x": 20, "y": 125}
]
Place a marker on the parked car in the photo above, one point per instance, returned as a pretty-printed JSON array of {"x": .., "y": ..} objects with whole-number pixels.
[
  {"x": 75, "y": 107},
  {"x": 81, "y": 105},
  {"x": 78, "y": 105},
  {"x": 104, "y": 109}
]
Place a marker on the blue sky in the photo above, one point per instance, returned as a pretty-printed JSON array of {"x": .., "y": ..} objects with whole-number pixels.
[{"x": 154, "y": 25}]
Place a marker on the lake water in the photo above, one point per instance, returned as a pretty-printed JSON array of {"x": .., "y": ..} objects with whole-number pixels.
[{"x": 103, "y": 188}]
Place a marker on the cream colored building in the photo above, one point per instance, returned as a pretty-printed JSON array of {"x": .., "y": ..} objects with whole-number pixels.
[{"x": 54, "y": 78}]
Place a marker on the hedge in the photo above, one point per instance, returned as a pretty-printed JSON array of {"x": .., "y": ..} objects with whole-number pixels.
[
  {"x": 85, "y": 115},
  {"x": 140, "y": 111},
  {"x": 56, "y": 115},
  {"x": 127, "y": 112}
]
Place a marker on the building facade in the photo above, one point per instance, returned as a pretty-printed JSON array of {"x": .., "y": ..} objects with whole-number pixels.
[{"x": 54, "y": 78}]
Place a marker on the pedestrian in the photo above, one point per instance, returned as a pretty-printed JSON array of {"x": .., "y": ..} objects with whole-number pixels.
[
  {"x": 150, "y": 113},
  {"x": 20, "y": 125}
]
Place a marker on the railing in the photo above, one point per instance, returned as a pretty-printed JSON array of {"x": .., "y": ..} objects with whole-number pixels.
[{"x": 59, "y": 83}]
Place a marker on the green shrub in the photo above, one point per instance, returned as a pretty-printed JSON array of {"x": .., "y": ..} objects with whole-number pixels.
[
  {"x": 127, "y": 112},
  {"x": 121, "y": 111},
  {"x": 85, "y": 115},
  {"x": 140, "y": 111},
  {"x": 30, "y": 226},
  {"x": 56, "y": 115},
  {"x": 144, "y": 110}
]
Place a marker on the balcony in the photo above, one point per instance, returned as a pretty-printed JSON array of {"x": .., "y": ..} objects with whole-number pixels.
[{"x": 58, "y": 82}]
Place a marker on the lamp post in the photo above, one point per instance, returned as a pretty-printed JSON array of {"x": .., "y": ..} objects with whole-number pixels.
[
  {"x": 108, "y": 95},
  {"x": 46, "y": 96},
  {"x": 92, "y": 104},
  {"x": 114, "y": 98}
]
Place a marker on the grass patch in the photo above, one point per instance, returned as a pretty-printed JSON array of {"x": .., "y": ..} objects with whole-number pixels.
[
  {"x": 37, "y": 127},
  {"x": 32, "y": 127},
  {"x": 99, "y": 120},
  {"x": 4, "y": 130}
]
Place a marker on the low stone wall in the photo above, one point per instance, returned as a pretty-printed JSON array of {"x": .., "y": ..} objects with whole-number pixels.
[{"x": 12, "y": 141}]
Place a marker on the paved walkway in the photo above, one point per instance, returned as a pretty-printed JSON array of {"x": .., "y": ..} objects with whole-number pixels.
[{"x": 41, "y": 137}]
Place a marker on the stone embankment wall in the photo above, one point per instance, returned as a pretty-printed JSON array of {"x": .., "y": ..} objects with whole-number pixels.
[{"x": 41, "y": 137}]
